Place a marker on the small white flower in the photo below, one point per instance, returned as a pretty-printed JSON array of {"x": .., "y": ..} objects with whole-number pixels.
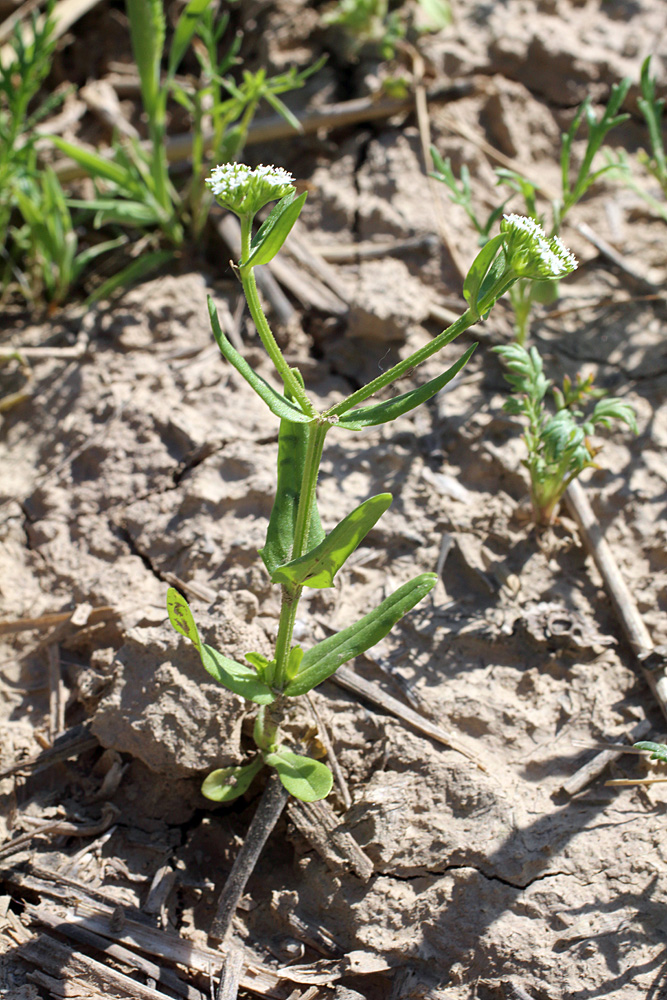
[
  {"x": 243, "y": 190},
  {"x": 531, "y": 254}
]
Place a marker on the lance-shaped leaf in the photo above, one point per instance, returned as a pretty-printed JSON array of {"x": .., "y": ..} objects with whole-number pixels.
[
  {"x": 483, "y": 285},
  {"x": 181, "y": 618},
  {"x": 227, "y": 783},
  {"x": 94, "y": 164},
  {"x": 303, "y": 777},
  {"x": 264, "y": 667},
  {"x": 275, "y": 401},
  {"x": 318, "y": 567},
  {"x": 381, "y": 413},
  {"x": 235, "y": 676},
  {"x": 273, "y": 232},
  {"x": 185, "y": 29},
  {"x": 292, "y": 443},
  {"x": 324, "y": 659}
]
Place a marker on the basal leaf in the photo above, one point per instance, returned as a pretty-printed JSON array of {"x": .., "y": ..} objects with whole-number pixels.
[
  {"x": 235, "y": 676},
  {"x": 227, "y": 783},
  {"x": 274, "y": 230},
  {"x": 319, "y": 566},
  {"x": 292, "y": 442},
  {"x": 276, "y": 402},
  {"x": 181, "y": 618},
  {"x": 324, "y": 659},
  {"x": 381, "y": 413},
  {"x": 303, "y": 777}
]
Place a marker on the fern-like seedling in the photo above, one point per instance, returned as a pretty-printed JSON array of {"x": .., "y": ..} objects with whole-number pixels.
[{"x": 558, "y": 444}]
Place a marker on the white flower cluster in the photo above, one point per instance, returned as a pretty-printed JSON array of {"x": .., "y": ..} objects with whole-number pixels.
[
  {"x": 241, "y": 189},
  {"x": 531, "y": 253}
]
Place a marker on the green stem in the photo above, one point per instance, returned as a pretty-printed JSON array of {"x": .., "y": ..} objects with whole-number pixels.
[
  {"x": 468, "y": 319},
  {"x": 292, "y": 385},
  {"x": 291, "y": 595}
]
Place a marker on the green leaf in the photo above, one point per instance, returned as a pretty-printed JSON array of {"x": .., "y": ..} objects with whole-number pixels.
[
  {"x": 303, "y": 777},
  {"x": 227, "y": 783},
  {"x": 122, "y": 211},
  {"x": 257, "y": 661},
  {"x": 235, "y": 676},
  {"x": 276, "y": 402},
  {"x": 275, "y": 229},
  {"x": 318, "y": 567},
  {"x": 181, "y": 618},
  {"x": 292, "y": 442},
  {"x": 147, "y": 30},
  {"x": 391, "y": 409},
  {"x": 482, "y": 274},
  {"x": 326, "y": 657},
  {"x": 185, "y": 29},
  {"x": 293, "y": 662},
  {"x": 96, "y": 166},
  {"x": 658, "y": 751}
]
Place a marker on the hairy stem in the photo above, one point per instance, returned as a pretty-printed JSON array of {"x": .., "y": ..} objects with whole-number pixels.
[
  {"x": 291, "y": 383},
  {"x": 291, "y": 594}
]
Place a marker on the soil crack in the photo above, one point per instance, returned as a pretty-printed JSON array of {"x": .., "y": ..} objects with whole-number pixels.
[
  {"x": 131, "y": 543},
  {"x": 480, "y": 871}
]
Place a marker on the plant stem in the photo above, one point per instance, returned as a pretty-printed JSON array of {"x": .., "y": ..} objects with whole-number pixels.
[
  {"x": 291, "y": 595},
  {"x": 451, "y": 333},
  {"x": 291, "y": 383},
  {"x": 266, "y": 816}
]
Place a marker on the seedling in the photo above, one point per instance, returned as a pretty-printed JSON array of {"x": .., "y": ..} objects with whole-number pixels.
[
  {"x": 371, "y": 23},
  {"x": 575, "y": 182},
  {"x": 297, "y": 552},
  {"x": 655, "y": 160},
  {"x": 558, "y": 445}
]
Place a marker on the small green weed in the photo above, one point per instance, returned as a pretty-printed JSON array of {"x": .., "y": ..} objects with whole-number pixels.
[
  {"x": 298, "y": 553},
  {"x": 558, "y": 444}
]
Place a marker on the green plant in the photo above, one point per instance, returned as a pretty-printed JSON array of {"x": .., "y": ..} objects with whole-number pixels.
[
  {"x": 297, "y": 552},
  {"x": 575, "y": 182},
  {"x": 23, "y": 69},
  {"x": 134, "y": 189},
  {"x": 558, "y": 444},
  {"x": 655, "y": 161},
  {"x": 374, "y": 23},
  {"x": 48, "y": 239}
]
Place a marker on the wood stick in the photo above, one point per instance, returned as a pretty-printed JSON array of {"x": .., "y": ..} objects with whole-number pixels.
[
  {"x": 73, "y": 742},
  {"x": 652, "y": 663},
  {"x": 594, "y": 767},
  {"x": 61, "y": 961},
  {"x": 348, "y": 679},
  {"x": 71, "y": 929},
  {"x": 318, "y": 823},
  {"x": 230, "y": 977},
  {"x": 266, "y": 816},
  {"x": 342, "y": 115},
  {"x": 331, "y": 753},
  {"x": 617, "y": 259}
]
